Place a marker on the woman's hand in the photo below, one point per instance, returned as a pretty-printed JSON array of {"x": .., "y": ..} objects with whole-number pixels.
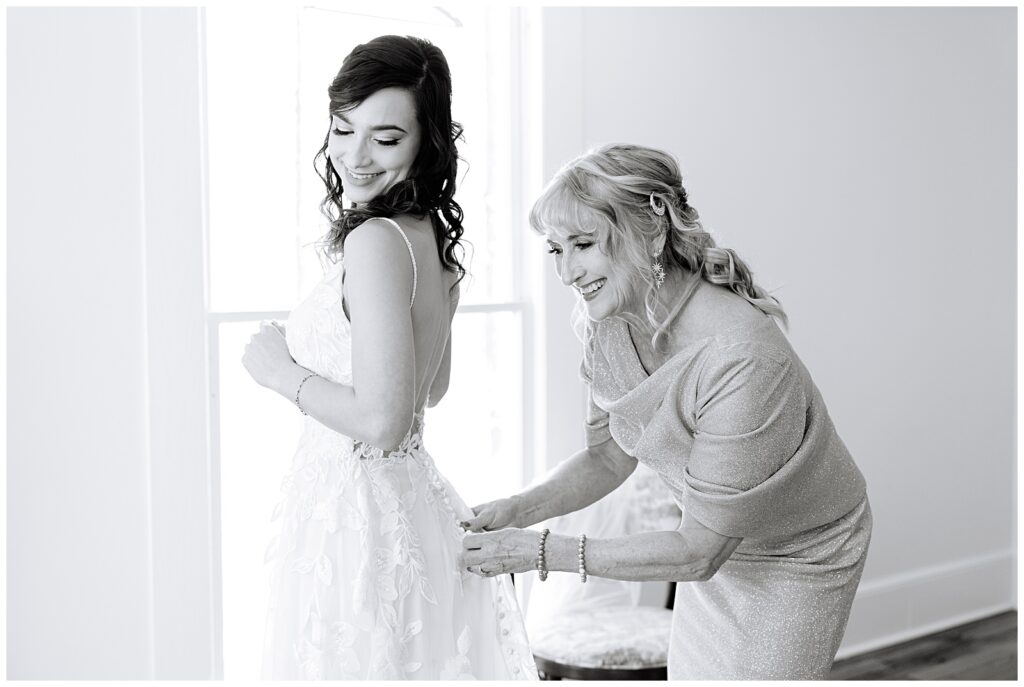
[
  {"x": 266, "y": 356},
  {"x": 493, "y": 515},
  {"x": 498, "y": 553}
]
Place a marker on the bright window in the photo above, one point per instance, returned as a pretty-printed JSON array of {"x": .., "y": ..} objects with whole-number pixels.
[{"x": 267, "y": 76}]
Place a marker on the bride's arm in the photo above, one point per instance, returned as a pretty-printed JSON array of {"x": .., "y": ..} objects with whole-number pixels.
[{"x": 378, "y": 407}]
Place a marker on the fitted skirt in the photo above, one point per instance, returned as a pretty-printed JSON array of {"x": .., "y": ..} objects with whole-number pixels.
[{"x": 776, "y": 610}]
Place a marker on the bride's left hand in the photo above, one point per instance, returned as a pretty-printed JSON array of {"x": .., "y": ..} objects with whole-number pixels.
[
  {"x": 505, "y": 551},
  {"x": 267, "y": 357}
]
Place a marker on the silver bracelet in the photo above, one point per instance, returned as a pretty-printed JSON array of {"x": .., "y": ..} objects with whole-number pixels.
[
  {"x": 299, "y": 391},
  {"x": 583, "y": 558}
]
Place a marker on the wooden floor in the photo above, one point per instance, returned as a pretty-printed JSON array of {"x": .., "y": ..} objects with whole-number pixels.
[{"x": 982, "y": 650}]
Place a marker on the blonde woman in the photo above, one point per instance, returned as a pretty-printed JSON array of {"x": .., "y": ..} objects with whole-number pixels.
[{"x": 689, "y": 373}]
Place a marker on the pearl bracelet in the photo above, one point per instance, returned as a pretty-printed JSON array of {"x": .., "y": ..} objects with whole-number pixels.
[
  {"x": 542, "y": 569},
  {"x": 583, "y": 558},
  {"x": 299, "y": 391}
]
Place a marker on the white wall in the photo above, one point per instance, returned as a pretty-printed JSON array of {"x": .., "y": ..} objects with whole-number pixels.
[
  {"x": 77, "y": 479},
  {"x": 862, "y": 160},
  {"x": 110, "y": 558}
]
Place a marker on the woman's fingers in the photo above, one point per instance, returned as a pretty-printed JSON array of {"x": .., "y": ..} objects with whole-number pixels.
[
  {"x": 474, "y": 560},
  {"x": 272, "y": 328},
  {"x": 497, "y": 553},
  {"x": 482, "y": 518},
  {"x": 475, "y": 550},
  {"x": 474, "y": 542},
  {"x": 490, "y": 516}
]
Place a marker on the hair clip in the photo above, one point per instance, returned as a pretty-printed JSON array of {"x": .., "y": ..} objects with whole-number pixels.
[{"x": 657, "y": 206}]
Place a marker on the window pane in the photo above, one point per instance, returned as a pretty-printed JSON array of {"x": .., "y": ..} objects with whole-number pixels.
[
  {"x": 475, "y": 432},
  {"x": 258, "y": 436},
  {"x": 252, "y": 161},
  {"x": 481, "y": 100}
]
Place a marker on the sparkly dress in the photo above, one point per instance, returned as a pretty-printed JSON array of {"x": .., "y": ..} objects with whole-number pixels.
[
  {"x": 739, "y": 433},
  {"x": 365, "y": 583}
]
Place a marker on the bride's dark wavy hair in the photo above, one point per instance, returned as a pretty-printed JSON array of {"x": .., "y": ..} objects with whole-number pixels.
[{"x": 419, "y": 67}]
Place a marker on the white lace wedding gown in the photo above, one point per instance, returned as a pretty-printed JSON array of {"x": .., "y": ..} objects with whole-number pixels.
[{"x": 365, "y": 582}]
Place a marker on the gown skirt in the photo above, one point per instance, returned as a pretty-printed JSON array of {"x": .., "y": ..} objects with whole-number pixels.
[{"x": 364, "y": 576}]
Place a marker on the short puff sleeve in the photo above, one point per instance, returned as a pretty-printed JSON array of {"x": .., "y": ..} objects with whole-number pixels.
[{"x": 750, "y": 417}]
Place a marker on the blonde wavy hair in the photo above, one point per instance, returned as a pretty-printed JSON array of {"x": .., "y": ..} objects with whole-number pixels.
[{"x": 609, "y": 191}]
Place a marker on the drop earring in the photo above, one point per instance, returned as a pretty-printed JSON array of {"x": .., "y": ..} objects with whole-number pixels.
[{"x": 658, "y": 271}]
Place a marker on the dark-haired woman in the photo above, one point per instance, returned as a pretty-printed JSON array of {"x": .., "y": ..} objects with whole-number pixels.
[
  {"x": 689, "y": 374},
  {"x": 366, "y": 583}
]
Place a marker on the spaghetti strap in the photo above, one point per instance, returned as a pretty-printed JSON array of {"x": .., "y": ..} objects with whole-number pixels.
[{"x": 412, "y": 255}]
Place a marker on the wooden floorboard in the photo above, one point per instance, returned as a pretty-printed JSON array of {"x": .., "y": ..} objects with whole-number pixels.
[{"x": 983, "y": 650}]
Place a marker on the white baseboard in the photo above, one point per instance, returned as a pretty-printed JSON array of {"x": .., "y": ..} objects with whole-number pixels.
[{"x": 900, "y": 607}]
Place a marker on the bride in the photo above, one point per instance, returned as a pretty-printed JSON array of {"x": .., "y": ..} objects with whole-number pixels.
[{"x": 365, "y": 576}]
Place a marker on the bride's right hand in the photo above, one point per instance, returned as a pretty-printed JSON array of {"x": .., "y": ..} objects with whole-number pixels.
[{"x": 493, "y": 515}]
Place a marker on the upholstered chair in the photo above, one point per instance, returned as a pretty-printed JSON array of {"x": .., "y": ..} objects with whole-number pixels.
[{"x": 606, "y": 629}]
